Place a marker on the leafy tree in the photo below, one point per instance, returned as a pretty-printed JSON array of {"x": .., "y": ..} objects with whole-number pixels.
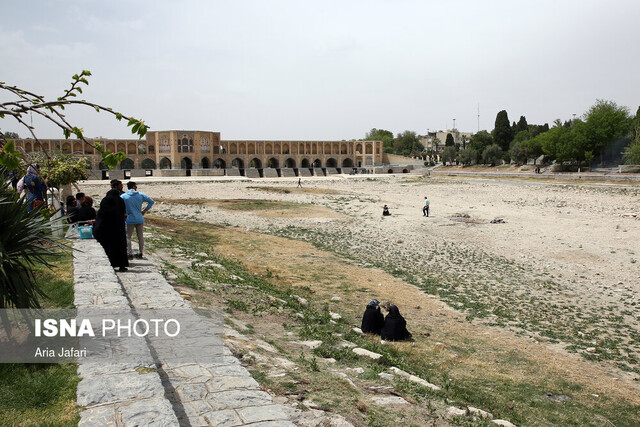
[
  {"x": 464, "y": 139},
  {"x": 479, "y": 142},
  {"x": 632, "y": 152},
  {"x": 27, "y": 102},
  {"x": 502, "y": 133},
  {"x": 607, "y": 128},
  {"x": 535, "y": 130},
  {"x": 449, "y": 155},
  {"x": 407, "y": 143},
  {"x": 381, "y": 135},
  {"x": 517, "y": 153},
  {"x": 532, "y": 148},
  {"x": 492, "y": 154},
  {"x": 64, "y": 169},
  {"x": 467, "y": 156},
  {"x": 449, "y": 142},
  {"x": 10, "y": 135},
  {"x": 436, "y": 142}
]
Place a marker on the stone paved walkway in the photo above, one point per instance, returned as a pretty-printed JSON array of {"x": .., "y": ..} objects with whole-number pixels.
[{"x": 158, "y": 390}]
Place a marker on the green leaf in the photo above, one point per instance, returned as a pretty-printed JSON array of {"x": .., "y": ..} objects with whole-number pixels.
[
  {"x": 85, "y": 81},
  {"x": 79, "y": 89},
  {"x": 72, "y": 94},
  {"x": 97, "y": 108},
  {"x": 66, "y": 133},
  {"x": 119, "y": 116},
  {"x": 86, "y": 72},
  {"x": 75, "y": 77},
  {"x": 131, "y": 121},
  {"x": 135, "y": 128}
]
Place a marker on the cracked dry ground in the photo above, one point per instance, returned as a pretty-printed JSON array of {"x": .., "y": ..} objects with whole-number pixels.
[{"x": 553, "y": 288}]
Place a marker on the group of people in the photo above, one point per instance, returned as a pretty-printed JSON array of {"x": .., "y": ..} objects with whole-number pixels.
[
  {"x": 425, "y": 208},
  {"x": 393, "y": 327},
  {"x": 79, "y": 209},
  {"x": 120, "y": 214}
]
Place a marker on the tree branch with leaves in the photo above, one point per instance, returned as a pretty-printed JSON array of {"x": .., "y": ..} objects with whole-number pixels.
[{"x": 26, "y": 102}]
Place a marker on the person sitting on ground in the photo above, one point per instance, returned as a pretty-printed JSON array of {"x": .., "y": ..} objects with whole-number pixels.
[
  {"x": 372, "y": 319},
  {"x": 72, "y": 210},
  {"x": 385, "y": 211},
  {"x": 86, "y": 212},
  {"x": 395, "y": 327}
]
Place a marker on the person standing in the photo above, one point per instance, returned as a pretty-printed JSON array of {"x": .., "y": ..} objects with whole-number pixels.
[
  {"x": 133, "y": 201},
  {"x": 35, "y": 188},
  {"x": 425, "y": 209},
  {"x": 299, "y": 183},
  {"x": 109, "y": 229}
]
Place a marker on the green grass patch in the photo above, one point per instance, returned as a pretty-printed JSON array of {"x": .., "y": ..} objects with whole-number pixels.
[{"x": 43, "y": 394}]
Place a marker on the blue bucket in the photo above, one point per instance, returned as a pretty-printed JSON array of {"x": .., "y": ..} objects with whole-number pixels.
[{"x": 85, "y": 231}]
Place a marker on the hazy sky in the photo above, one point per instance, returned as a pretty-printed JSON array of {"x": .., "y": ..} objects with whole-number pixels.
[{"x": 322, "y": 69}]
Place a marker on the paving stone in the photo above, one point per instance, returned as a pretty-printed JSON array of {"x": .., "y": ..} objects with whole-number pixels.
[
  {"x": 190, "y": 392},
  {"x": 154, "y": 412},
  {"x": 230, "y": 382},
  {"x": 236, "y": 370},
  {"x": 224, "y": 418},
  {"x": 118, "y": 387},
  {"x": 98, "y": 416},
  {"x": 253, "y": 414},
  {"x": 279, "y": 423},
  {"x": 239, "y": 398},
  {"x": 196, "y": 408}
]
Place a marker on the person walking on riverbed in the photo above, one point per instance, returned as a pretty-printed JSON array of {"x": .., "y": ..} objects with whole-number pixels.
[{"x": 425, "y": 209}]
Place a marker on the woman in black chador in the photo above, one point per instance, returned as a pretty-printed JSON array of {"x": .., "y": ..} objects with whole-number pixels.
[
  {"x": 395, "y": 327},
  {"x": 372, "y": 320},
  {"x": 110, "y": 231}
]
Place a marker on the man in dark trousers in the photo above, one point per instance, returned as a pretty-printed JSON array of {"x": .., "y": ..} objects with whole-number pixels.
[
  {"x": 425, "y": 209},
  {"x": 299, "y": 183}
]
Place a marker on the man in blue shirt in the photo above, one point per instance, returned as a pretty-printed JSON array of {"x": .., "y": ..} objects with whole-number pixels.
[{"x": 135, "y": 215}]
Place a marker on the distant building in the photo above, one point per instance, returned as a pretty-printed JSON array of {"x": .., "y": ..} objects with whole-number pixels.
[
  {"x": 179, "y": 152},
  {"x": 435, "y": 141}
]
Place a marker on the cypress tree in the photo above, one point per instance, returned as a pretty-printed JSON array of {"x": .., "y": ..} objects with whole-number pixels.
[
  {"x": 502, "y": 132},
  {"x": 449, "y": 142}
]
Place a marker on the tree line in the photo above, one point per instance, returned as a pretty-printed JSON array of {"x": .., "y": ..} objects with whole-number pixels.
[{"x": 605, "y": 134}]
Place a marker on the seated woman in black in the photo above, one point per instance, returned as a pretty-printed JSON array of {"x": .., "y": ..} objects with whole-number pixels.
[
  {"x": 86, "y": 212},
  {"x": 372, "y": 320},
  {"x": 385, "y": 211},
  {"x": 395, "y": 327}
]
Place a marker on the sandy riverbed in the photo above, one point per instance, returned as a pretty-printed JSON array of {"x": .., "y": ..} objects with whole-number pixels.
[{"x": 562, "y": 266}]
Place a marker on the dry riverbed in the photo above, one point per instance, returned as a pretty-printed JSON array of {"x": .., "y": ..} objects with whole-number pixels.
[{"x": 545, "y": 295}]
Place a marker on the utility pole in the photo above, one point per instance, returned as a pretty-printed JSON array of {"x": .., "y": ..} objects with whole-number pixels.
[
  {"x": 454, "y": 124},
  {"x": 478, "y": 117}
]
